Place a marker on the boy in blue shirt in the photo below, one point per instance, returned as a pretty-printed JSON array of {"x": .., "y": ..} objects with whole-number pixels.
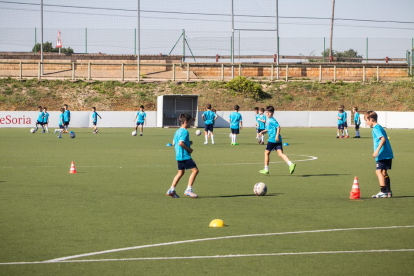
[
  {"x": 183, "y": 152},
  {"x": 274, "y": 142},
  {"x": 345, "y": 121},
  {"x": 261, "y": 122},
  {"x": 256, "y": 115},
  {"x": 235, "y": 121},
  {"x": 357, "y": 121},
  {"x": 142, "y": 118},
  {"x": 45, "y": 120},
  {"x": 39, "y": 118},
  {"x": 61, "y": 123},
  {"x": 209, "y": 117},
  {"x": 382, "y": 153},
  {"x": 66, "y": 117},
  {"x": 95, "y": 116},
  {"x": 340, "y": 117}
]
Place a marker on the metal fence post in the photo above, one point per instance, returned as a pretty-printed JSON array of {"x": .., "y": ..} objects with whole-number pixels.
[
  {"x": 363, "y": 74},
  {"x": 334, "y": 73},
  {"x": 367, "y": 50},
  {"x": 21, "y": 69},
  {"x": 173, "y": 71},
  {"x": 86, "y": 40},
  {"x": 287, "y": 72},
  {"x": 320, "y": 73},
  {"x": 188, "y": 71},
  {"x": 271, "y": 72},
  {"x": 122, "y": 72},
  {"x": 377, "y": 73},
  {"x": 73, "y": 71},
  {"x": 222, "y": 72},
  {"x": 89, "y": 71},
  {"x": 240, "y": 69},
  {"x": 39, "y": 73}
]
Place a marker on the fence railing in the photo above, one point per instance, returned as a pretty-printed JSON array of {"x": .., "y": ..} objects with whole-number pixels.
[{"x": 205, "y": 71}]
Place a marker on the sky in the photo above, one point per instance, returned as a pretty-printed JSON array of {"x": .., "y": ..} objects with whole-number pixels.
[{"x": 303, "y": 25}]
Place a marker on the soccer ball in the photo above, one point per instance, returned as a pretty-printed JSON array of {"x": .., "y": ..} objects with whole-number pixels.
[
  {"x": 198, "y": 132},
  {"x": 134, "y": 133},
  {"x": 72, "y": 134},
  {"x": 260, "y": 189},
  {"x": 33, "y": 130}
]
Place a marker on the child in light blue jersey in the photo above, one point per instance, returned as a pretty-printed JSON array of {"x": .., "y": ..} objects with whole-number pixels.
[
  {"x": 345, "y": 122},
  {"x": 40, "y": 118},
  {"x": 274, "y": 142},
  {"x": 236, "y": 123},
  {"x": 382, "y": 153},
  {"x": 66, "y": 118},
  {"x": 95, "y": 116},
  {"x": 61, "y": 123},
  {"x": 141, "y": 118},
  {"x": 209, "y": 117},
  {"x": 183, "y": 152},
  {"x": 256, "y": 118},
  {"x": 357, "y": 121},
  {"x": 261, "y": 122},
  {"x": 340, "y": 117},
  {"x": 45, "y": 120}
]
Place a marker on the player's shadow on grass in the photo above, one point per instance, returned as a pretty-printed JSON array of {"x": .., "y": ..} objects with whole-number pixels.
[
  {"x": 231, "y": 196},
  {"x": 403, "y": 197},
  {"x": 323, "y": 174}
]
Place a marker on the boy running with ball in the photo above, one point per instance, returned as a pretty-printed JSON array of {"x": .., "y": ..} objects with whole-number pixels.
[
  {"x": 141, "y": 118},
  {"x": 40, "y": 118},
  {"x": 183, "y": 152},
  {"x": 274, "y": 142},
  {"x": 382, "y": 153},
  {"x": 95, "y": 116}
]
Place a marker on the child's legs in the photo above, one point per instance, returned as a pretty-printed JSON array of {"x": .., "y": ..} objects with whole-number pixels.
[
  {"x": 381, "y": 177},
  {"x": 194, "y": 173},
  {"x": 177, "y": 178},
  {"x": 282, "y": 155},
  {"x": 267, "y": 157},
  {"x": 141, "y": 127},
  {"x": 136, "y": 127}
]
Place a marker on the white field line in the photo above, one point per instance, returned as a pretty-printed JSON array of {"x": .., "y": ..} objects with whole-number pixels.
[
  {"x": 309, "y": 158},
  {"x": 220, "y": 238},
  {"x": 219, "y": 256}
]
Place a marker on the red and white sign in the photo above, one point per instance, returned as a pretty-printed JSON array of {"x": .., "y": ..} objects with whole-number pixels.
[{"x": 59, "y": 41}]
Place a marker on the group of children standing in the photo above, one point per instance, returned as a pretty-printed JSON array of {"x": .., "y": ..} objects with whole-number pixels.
[{"x": 342, "y": 131}]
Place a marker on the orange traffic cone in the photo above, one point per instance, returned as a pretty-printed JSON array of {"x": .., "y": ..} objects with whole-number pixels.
[
  {"x": 355, "y": 192},
  {"x": 72, "y": 168}
]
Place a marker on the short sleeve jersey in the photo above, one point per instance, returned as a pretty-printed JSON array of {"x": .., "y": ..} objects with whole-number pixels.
[
  {"x": 341, "y": 118},
  {"x": 345, "y": 117},
  {"x": 235, "y": 119},
  {"x": 271, "y": 126},
  {"x": 66, "y": 116},
  {"x": 95, "y": 116},
  {"x": 45, "y": 117},
  {"x": 257, "y": 116},
  {"x": 209, "y": 117},
  {"x": 180, "y": 153},
  {"x": 356, "y": 118},
  {"x": 40, "y": 118},
  {"x": 141, "y": 116},
  {"x": 61, "y": 118},
  {"x": 386, "y": 150},
  {"x": 261, "y": 124}
]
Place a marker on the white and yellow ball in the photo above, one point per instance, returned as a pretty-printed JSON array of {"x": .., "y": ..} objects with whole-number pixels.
[{"x": 260, "y": 189}]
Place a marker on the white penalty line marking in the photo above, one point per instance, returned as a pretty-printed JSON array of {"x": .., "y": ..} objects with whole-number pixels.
[
  {"x": 310, "y": 158},
  {"x": 66, "y": 259},
  {"x": 220, "y": 256}
]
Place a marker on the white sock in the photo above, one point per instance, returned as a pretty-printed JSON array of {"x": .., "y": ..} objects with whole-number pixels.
[
  {"x": 172, "y": 188},
  {"x": 289, "y": 163},
  {"x": 205, "y": 136},
  {"x": 47, "y": 129},
  {"x": 346, "y": 131},
  {"x": 235, "y": 138},
  {"x": 266, "y": 168},
  {"x": 357, "y": 133},
  {"x": 189, "y": 188},
  {"x": 212, "y": 138},
  {"x": 232, "y": 138},
  {"x": 60, "y": 133},
  {"x": 55, "y": 131},
  {"x": 262, "y": 138}
]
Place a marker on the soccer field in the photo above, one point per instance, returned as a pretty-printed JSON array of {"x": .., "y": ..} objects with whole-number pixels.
[{"x": 114, "y": 218}]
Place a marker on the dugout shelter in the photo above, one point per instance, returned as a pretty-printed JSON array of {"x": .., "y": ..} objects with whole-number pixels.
[{"x": 169, "y": 108}]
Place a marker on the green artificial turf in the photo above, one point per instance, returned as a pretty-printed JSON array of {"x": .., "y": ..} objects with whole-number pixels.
[{"x": 117, "y": 200}]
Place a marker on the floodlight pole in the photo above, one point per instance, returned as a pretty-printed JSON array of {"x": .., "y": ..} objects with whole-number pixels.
[
  {"x": 139, "y": 43},
  {"x": 232, "y": 39},
  {"x": 41, "y": 25},
  {"x": 277, "y": 39}
]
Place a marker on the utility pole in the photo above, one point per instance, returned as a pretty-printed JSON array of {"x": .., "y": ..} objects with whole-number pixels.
[
  {"x": 41, "y": 24},
  {"x": 232, "y": 39},
  {"x": 332, "y": 22},
  {"x": 277, "y": 38},
  {"x": 139, "y": 42}
]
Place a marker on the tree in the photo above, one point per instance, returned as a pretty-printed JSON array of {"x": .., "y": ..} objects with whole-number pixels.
[
  {"x": 48, "y": 48},
  {"x": 351, "y": 53}
]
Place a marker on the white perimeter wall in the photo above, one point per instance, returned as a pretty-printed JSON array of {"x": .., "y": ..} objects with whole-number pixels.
[{"x": 125, "y": 119}]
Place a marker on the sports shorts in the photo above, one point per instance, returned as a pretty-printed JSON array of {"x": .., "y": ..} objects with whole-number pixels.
[
  {"x": 39, "y": 123},
  {"x": 356, "y": 126},
  {"x": 66, "y": 123},
  {"x": 384, "y": 164},
  {"x": 61, "y": 127},
  {"x": 340, "y": 126},
  {"x": 186, "y": 165},
  {"x": 208, "y": 128},
  {"x": 274, "y": 146},
  {"x": 235, "y": 131},
  {"x": 140, "y": 123},
  {"x": 345, "y": 124}
]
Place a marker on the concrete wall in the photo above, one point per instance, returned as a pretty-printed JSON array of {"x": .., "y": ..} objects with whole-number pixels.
[{"x": 81, "y": 119}]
